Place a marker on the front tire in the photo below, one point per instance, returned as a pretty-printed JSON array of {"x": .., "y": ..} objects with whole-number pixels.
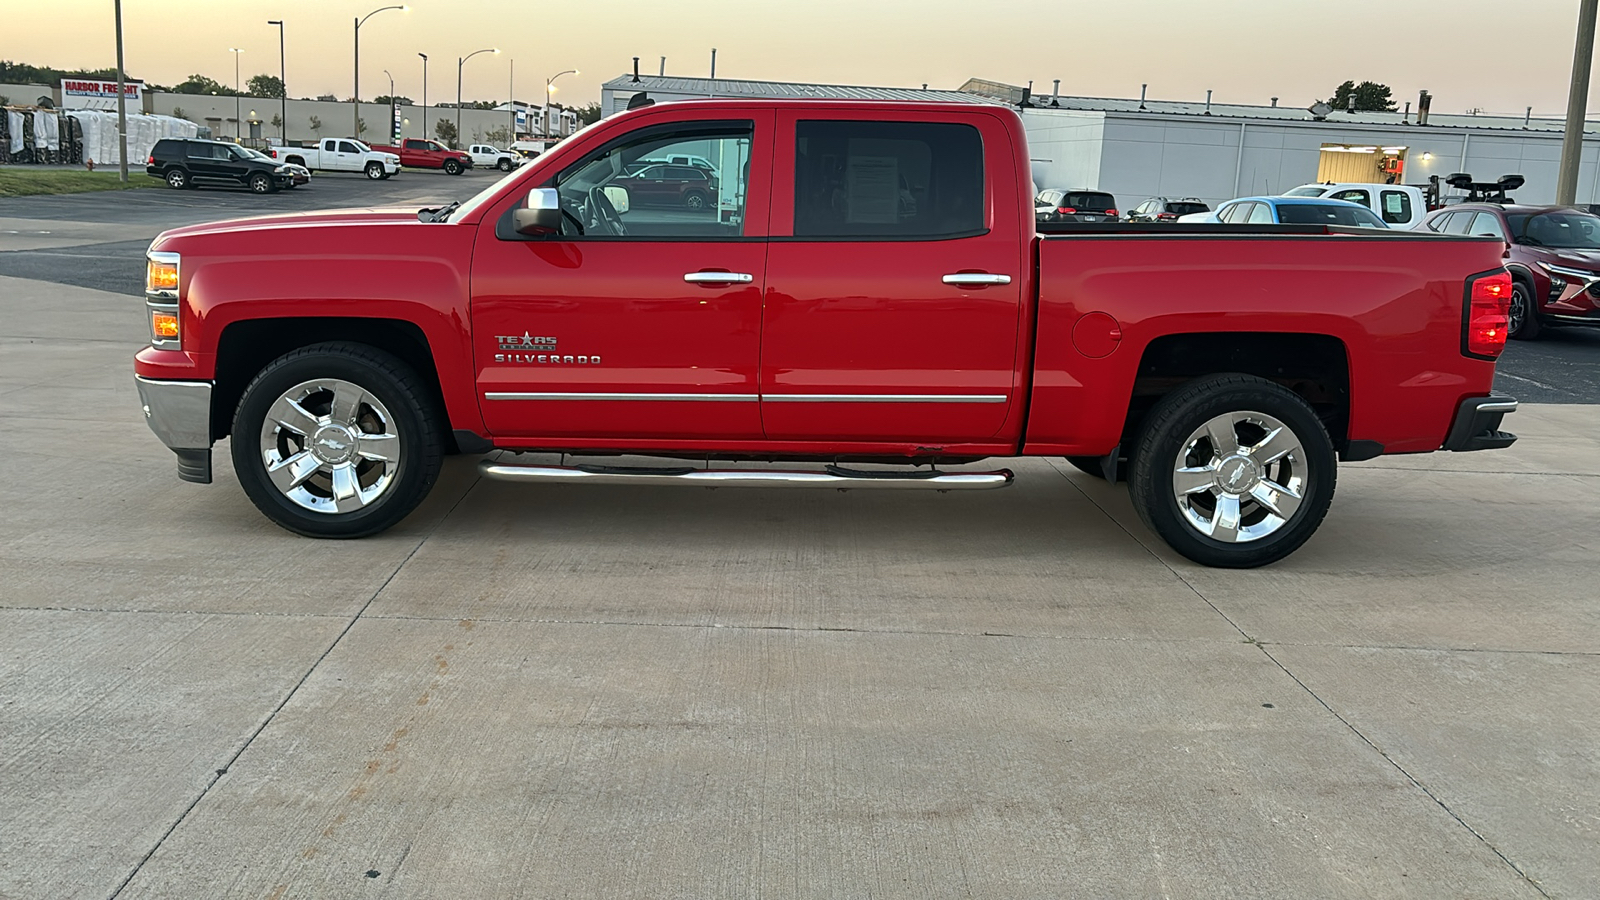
[
  {"x": 452, "y": 167},
  {"x": 1523, "y": 314},
  {"x": 374, "y": 170},
  {"x": 503, "y": 165},
  {"x": 1233, "y": 471},
  {"x": 261, "y": 183},
  {"x": 336, "y": 440}
]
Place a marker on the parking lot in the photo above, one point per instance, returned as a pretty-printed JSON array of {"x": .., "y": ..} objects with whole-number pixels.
[{"x": 645, "y": 692}]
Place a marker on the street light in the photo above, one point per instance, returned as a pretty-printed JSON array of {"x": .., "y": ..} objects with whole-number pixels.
[
  {"x": 283, "y": 83},
  {"x": 462, "y": 61},
  {"x": 550, "y": 88},
  {"x": 393, "y": 105},
  {"x": 122, "y": 104},
  {"x": 236, "y": 122},
  {"x": 356, "y": 99},
  {"x": 424, "y": 93}
]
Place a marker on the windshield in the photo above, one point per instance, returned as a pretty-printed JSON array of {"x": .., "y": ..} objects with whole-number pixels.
[
  {"x": 1184, "y": 209},
  {"x": 1563, "y": 230},
  {"x": 485, "y": 195},
  {"x": 1328, "y": 214},
  {"x": 239, "y": 152}
]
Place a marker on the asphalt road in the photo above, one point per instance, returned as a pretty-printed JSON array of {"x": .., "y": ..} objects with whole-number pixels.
[{"x": 36, "y": 242}]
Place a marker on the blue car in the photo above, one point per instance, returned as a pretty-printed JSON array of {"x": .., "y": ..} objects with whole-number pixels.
[{"x": 1290, "y": 211}]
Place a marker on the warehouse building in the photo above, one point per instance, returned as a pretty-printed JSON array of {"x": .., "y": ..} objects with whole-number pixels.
[{"x": 1145, "y": 148}]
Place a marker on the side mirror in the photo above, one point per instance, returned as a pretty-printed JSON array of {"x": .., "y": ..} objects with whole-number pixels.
[
  {"x": 541, "y": 215},
  {"x": 618, "y": 197}
]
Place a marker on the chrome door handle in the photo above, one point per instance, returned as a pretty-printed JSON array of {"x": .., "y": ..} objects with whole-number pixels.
[
  {"x": 969, "y": 279},
  {"x": 718, "y": 278}
]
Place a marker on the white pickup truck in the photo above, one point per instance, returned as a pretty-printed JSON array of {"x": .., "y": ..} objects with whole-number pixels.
[
  {"x": 340, "y": 155},
  {"x": 1400, "y": 205},
  {"x": 488, "y": 156}
]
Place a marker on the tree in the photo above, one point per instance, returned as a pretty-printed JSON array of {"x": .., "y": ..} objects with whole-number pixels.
[
  {"x": 200, "y": 84},
  {"x": 498, "y": 136},
  {"x": 385, "y": 98},
  {"x": 361, "y": 126},
  {"x": 1370, "y": 97},
  {"x": 177, "y": 112},
  {"x": 265, "y": 86},
  {"x": 316, "y": 125},
  {"x": 277, "y": 122},
  {"x": 445, "y": 130},
  {"x": 588, "y": 115}
]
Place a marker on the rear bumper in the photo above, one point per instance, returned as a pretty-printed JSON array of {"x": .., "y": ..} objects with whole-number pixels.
[
  {"x": 1477, "y": 424},
  {"x": 179, "y": 412}
]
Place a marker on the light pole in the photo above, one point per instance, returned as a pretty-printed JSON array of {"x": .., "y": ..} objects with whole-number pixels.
[
  {"x": 511, "y": 103},
  {"x": 1577, "y": 102},
  {"x": 424, "y": 94},
  {"x": 122, "y": 103},
  {"x": 283, "y": 83},
  {"x": 462, "y": 61},
  {"x": 355, "y": 100},
  {"x": 550, "y": 88},
  {"x": 393, "y": 105},
  {"x": 236, "y": 120}
]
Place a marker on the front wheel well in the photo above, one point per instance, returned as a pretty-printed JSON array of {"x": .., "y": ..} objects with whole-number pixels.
[
  {"x": 1314, "y": 366},
  {"x": 245, "y": 348}
]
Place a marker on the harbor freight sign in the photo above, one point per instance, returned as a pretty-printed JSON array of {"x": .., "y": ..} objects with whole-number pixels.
[{"x": 79, "y": 93}]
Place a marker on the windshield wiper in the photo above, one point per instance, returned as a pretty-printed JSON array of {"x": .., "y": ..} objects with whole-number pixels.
[{"x": 438, "y": 214}]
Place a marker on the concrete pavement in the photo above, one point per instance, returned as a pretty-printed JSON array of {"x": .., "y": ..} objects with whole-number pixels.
[{"x": 607, "y": 692}]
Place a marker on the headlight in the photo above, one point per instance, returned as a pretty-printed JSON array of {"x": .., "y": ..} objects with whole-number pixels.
[
  {"x": 281, "y": 169},
  {"x": 161, "y": 299},
  {"x": 161, "y": 275}
]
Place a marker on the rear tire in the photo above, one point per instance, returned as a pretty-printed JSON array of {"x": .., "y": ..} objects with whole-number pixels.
[
  {"x": 695, "y": 201},
  {"x": 178, "y": 179},
  {"x": 1523, "y": 315},
  {"x": 374, "y": 170},
  {"x": 336, "y": 440},
  {"x": 1233, "y": 471}
]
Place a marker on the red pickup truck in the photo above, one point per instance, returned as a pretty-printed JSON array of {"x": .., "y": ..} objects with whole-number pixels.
[
  {"x": 416, "y": 153},
  {"x": 867, "y": 292}
]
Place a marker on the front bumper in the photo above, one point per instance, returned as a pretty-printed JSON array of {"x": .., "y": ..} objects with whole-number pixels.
[
  {"x": 179, "y": 412},
  {"x": 1477, "y": 424}
]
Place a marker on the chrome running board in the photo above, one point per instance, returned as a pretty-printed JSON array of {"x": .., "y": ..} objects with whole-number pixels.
[{"x": 831, "y": 477}]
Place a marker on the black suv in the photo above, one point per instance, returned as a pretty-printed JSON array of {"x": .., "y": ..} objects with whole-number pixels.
[
  {"x": 1056, "y": 205},
  {"x": 1164, "y": 209},
  {"x": 189, "y": 163}
]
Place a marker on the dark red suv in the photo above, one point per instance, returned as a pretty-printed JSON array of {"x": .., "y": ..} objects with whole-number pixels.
[
  {"x": 661, "y": 184},
  {"x": 1553, "y": 253}
]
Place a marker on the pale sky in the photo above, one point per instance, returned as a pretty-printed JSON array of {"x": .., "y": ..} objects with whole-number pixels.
[{"x": 1489, "y": 54}]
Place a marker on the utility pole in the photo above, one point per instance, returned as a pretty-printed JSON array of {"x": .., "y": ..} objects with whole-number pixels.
[
  {"x": 122, "y": 103},
  {"x": 283, "y": 82},
  {"x": 460, "y": 62},
  {"x": 355, "y": 99},
  {"x": 424, "y": 93},
  {"x": 1577, "y": 105},
  {"x": 238, "y": 122},
  {"x": 713, "y": 62},
  {"x": 511, "y": 104}
]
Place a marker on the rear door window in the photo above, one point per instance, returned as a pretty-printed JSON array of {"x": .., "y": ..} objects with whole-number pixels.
[
  {"x": 1395, "y": 207},
  {"x": 1458, "y": 224},
  {"x": 1261, "y": 215},
  {"x": 1487, "y": 224},
  {"x": 895, "y": 180},
  {"x": 1237, "y": 212}
]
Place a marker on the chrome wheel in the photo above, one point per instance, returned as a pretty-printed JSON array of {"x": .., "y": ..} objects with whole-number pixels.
[
  {"x": 330, "y": 446},
  {"x": 1240, "y": 477}
]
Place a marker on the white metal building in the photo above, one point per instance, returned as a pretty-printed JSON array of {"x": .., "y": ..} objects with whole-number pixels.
[{"x": 1214, "y": 152}]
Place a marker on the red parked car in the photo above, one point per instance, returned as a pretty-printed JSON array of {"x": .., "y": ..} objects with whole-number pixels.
[
  {"x": 662, "y": 184},
  {"x": 417, "y": 153},
  {"x": 1552, "y": 252},
  {"x": 875, "y": 291}
]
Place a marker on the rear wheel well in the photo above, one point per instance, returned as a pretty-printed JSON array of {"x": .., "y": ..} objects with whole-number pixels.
[
  {"x": 1315, "y": 366},
  {"x": 245, "y": 348}
]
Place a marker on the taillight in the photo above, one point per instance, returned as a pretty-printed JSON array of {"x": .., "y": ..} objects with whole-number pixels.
[
  {"x": 1166, "y": 215},
  {"x": 272, "y": 153},
  {"x": 151, "y": 161},
  {"x": 1111, "y": 212},
  {"x": 1487, "y": 307},
  {"x": 1066, "y": 210}
]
